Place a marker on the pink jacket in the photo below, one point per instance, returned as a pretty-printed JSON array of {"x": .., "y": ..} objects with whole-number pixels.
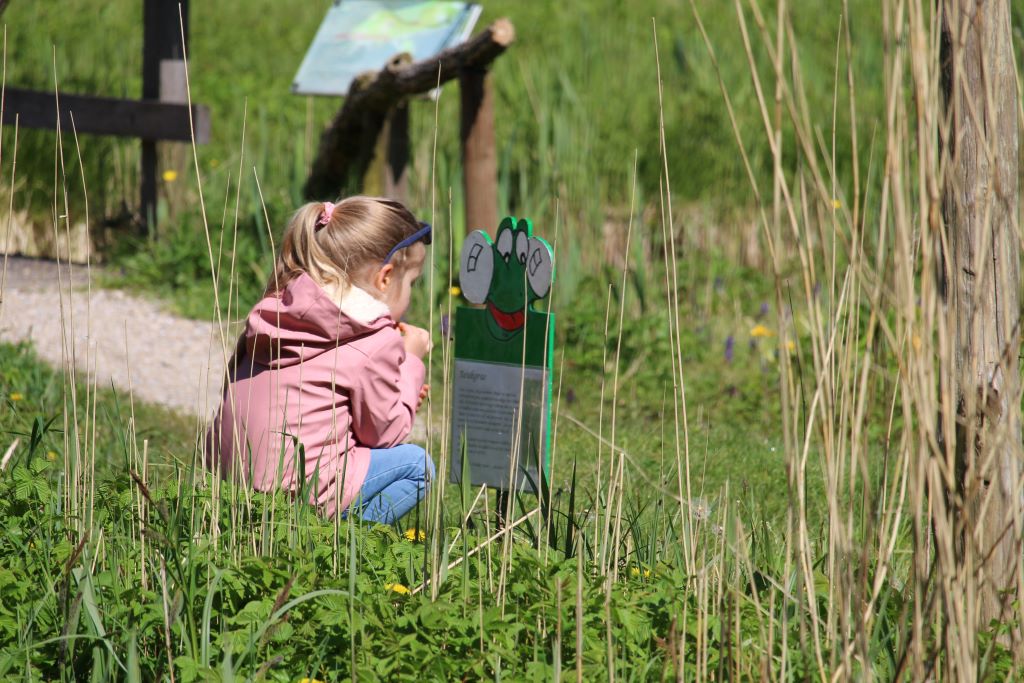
[{"x": 334, "y": 379}]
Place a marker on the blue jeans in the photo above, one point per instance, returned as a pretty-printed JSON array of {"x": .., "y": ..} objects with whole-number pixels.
[{"x": 395, "y": 482}]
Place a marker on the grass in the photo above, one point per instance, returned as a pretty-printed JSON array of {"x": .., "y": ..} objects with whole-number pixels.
[
  {"x": 674, "y": 542},
  {"x": 37, "y": 401}
]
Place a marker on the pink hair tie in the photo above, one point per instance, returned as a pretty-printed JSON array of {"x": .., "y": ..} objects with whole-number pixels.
[{"x": 325, "y": 215}]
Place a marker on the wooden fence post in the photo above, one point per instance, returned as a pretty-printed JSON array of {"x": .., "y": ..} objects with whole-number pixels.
[
  {"x": 479, "y": 158},
  {"x": 161, "y": 40}
]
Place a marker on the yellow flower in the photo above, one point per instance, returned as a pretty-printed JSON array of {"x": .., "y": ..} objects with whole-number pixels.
[
  {"x": 455, "y": 290},
  {"x": 17, "y": 396},
  {"x": 791, "y": 346},
  {"x": 836, "y": 204},
  {"x": 916, "y": 342},
  {"x": 170, "y": 176},
  {"x": 51, "y": 455},
  {"x": 636, "y": 573},
  {"x": 415, "y": 535},
  {"x": 397, "y": 588},
  {"x": 760, "y": 330},
  {"x": 214, "y": 163},
  {"x": 310, "y": 680}
]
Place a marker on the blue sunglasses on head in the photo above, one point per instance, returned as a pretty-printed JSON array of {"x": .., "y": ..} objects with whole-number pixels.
[{"x": 424, "y": 233}]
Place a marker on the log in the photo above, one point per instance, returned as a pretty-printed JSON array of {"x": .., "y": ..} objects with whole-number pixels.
[{"x": 347, "y": 145}]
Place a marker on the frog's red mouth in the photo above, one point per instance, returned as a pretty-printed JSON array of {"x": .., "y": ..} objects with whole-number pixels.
[{"x": 506, "y": 321}]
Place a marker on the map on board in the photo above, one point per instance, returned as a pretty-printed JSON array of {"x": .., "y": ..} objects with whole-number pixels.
[
  {"x": 501, "y": 401},
  {"x": 358, "y": 36}
]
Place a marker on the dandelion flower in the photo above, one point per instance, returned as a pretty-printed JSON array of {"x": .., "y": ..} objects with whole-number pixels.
[
  {"x": 51, "y": 455},
  {"x": 760, "y": 330},
  {"x": 455, "y": 290},
  {"x": 310, "y": 680},
  {"x": 836, "y": 204},
  {"x": 415, "y": 535},
  {"x": 170, "y": 175},
  {"x": 396, "y": 588},
  {"x": 17, "y": 396},
  {"x": 791, "y": 346}
]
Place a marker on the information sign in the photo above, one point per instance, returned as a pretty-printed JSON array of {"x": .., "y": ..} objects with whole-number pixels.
[{"x": 358, "y": 36}]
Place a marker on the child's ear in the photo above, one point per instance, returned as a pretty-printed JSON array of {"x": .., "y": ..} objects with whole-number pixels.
[{"x": 382, "y": 278}]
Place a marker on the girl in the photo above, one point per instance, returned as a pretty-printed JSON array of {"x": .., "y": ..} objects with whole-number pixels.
[{"x": 325, "y": 383}]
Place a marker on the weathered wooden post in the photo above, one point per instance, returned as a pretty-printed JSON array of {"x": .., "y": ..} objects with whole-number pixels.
[
  {"x": 163, "y": 79},
  {"x": 396, "y": 153},
  {"x": 387, "y": 172},
  {"x": 479, "y": 158},
  {"x": 980, "y": 203}
]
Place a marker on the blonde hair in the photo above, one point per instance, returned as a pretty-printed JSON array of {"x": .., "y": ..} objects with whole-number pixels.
[{"x": 361, "y": 231}]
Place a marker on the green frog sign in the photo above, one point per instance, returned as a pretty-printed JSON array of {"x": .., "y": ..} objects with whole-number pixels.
[{"x": 501, "y": 404}]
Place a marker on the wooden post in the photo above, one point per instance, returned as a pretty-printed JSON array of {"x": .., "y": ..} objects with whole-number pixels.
[
  {"x": 479, "y": 159},
  {"x": 386, "y": 173},
  {"x": 980, "y": 205},
  {"x": 161, "y": 40},
  {"x": 396, "y": 166}
]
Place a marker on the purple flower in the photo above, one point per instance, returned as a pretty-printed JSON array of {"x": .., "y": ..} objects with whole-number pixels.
[
  {"x": 730, "y": 348},
  {"x": 445, "y": 326},
  {"x": 764, "y": 309}
]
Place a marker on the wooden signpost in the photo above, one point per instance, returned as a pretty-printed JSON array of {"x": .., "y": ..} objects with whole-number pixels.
[
  {"x": 376, "y": 105},
  {"x": 501, "y": 405}
]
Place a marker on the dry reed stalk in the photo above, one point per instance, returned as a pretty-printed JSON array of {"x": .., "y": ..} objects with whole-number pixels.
[{"x": 434, "y": 511}]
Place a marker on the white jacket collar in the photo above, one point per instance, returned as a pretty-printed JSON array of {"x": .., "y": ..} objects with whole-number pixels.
[{"x": 361, "y": 306}]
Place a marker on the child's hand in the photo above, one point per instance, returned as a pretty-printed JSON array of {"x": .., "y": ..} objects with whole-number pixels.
[
  {"x": 424, "y": 392},
  {"x": 417, "y": 339}
]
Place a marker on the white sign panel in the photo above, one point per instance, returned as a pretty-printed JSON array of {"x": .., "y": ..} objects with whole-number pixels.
[{"x": 498, "y": 412}]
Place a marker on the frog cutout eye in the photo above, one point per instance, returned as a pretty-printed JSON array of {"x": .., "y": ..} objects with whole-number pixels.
[
  {"x": 476, "y": 267},
  {"x": 504, "y": 245},
  {"x": 521, "y": 247},
  {"x": 539, "y": 266}
]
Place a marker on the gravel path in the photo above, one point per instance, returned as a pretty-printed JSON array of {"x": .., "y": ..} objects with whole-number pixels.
[{"x": 170, "y": 360}]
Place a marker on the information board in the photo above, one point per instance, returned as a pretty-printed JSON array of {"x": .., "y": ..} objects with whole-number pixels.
[
  {"x": 501, "y": 403},
  {"x": 358, "y": 36}
]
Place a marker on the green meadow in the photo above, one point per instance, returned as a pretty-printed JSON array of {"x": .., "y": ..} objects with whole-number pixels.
[{"x": 746, "y": 362}]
